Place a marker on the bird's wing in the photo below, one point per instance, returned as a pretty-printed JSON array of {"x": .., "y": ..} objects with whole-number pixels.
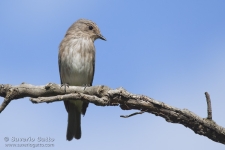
[
  {"x": 85, "y": 104},
  {"x": 66, "y": 103}
]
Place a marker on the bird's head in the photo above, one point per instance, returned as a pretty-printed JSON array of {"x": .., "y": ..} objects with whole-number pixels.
[{"x": 85, "y": 28}]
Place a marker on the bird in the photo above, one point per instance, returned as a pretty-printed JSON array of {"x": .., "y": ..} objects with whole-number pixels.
[{"x": 76, "y": 60}]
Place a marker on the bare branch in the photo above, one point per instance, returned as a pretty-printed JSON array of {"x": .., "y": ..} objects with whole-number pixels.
[
  {"x": 104, "y": 96},
  {"x": 51, "y": 89}
]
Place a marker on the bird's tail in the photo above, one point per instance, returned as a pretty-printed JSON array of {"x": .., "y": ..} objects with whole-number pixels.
[{"x": 74, "y": 122}]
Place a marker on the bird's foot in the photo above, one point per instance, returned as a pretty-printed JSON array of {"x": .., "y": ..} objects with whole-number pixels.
[
  {"x": 65, "y": 85},
  {"x": 86, "y": 85}
]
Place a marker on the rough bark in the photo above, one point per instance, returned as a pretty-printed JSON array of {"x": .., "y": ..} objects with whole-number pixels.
[{"x": 105, "y": 96}]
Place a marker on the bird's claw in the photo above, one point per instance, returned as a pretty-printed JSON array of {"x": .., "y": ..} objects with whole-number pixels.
[
  {"x": 86, "y": 85},
  {"x": 65, "y": 85}
]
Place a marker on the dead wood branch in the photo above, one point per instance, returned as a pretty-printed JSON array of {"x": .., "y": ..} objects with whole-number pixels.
[{"x": 104, "y": 96}]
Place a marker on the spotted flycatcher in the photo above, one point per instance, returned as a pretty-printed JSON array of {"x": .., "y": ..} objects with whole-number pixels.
[{"x": 76, "y": 67}]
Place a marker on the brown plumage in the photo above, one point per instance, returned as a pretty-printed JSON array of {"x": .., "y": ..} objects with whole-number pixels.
[{"x": 76, "y": 67}]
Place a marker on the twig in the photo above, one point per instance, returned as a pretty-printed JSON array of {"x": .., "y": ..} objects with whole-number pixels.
[
  {"x": 136, "y": 113},
  {"x": 209, "y": 108}
]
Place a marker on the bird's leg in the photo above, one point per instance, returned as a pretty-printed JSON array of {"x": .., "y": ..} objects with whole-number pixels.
[
  {"x": 86, "y": 85},
  {"x": 65, "y": 85}
]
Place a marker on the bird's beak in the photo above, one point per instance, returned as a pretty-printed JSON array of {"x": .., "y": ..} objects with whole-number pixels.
[{"x": 101, "y": 37}]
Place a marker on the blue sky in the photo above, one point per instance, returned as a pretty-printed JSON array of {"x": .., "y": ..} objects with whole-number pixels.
[{"x": 172, "y": 51}]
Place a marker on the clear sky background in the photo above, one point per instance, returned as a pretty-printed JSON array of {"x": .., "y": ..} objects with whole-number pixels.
[{"x": 172, "y": 51}]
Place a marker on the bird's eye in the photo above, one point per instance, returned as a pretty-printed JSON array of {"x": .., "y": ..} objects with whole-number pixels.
[{"x": 90, "y": 27}]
